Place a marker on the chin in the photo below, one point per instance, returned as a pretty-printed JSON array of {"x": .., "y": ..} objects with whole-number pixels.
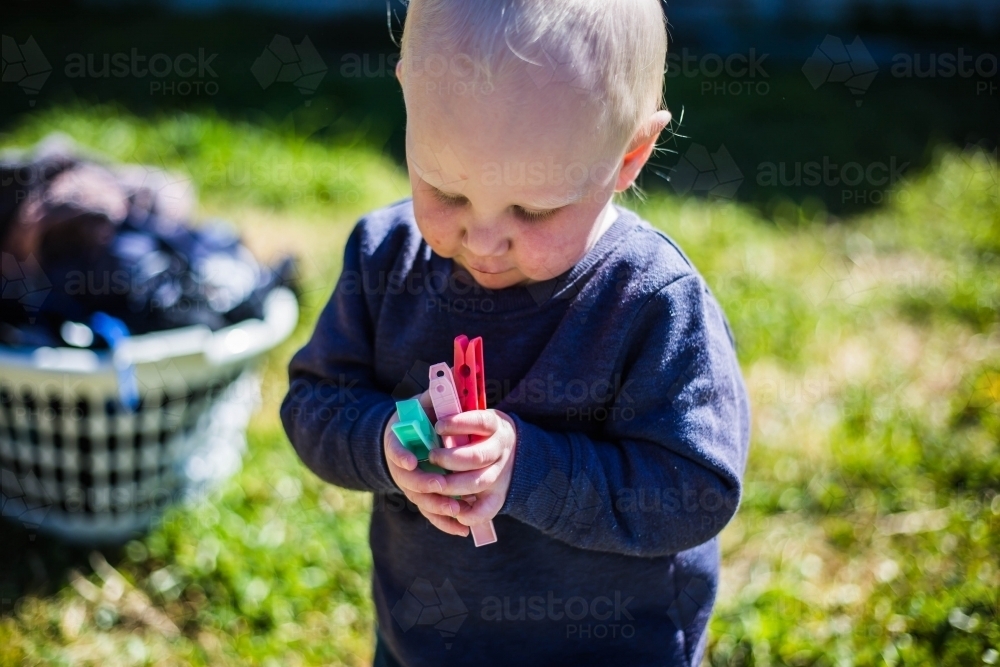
[
  {"x": 496, "y": 280},
  {"x": 492, "y": 281}
]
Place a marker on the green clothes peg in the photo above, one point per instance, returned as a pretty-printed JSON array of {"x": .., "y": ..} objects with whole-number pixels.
[{"x": 416, "y": 433}]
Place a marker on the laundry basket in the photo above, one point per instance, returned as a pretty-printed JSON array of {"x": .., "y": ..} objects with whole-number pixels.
[{"x": 74, "y": 463}]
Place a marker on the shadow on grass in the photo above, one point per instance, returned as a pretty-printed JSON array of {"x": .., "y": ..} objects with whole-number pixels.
[{"x": 40, "y": 565}]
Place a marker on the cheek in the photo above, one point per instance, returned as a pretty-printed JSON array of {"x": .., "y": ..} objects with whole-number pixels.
[
  {"x": 438, "y": 224},
  {"x": 546, "y": 253}
]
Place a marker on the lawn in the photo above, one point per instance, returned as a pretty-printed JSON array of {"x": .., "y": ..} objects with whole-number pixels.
[{"x": 870, "y": 526}]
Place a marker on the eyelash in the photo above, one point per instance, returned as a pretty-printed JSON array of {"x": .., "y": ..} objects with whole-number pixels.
[
  {"x": 445, "y": 199},
  {"x": 523, "y": 213},
  {"x": 535, "y": 215}
]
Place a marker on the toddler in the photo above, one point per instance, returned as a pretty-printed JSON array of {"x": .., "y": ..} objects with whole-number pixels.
[{"x": 613, "y": 450}]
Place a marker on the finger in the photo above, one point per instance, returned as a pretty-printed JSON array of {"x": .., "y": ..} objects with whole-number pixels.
[
  {"x": 468, "y": 457},
  {"x": 433, "y": 503},
  {"x": 471, "y": 482},
  {"x": 472, "y": 422},
  {"x": 428, "y": 405},
  {"x": 420, "y": 481},
  {"x": 398, "y": 455},
  {"x": 484, "y": 510},
  {"x": 447, "y": 524}
]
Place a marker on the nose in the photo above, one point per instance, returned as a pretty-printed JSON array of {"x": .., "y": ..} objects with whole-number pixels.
[{"x": 485, "y": 239}]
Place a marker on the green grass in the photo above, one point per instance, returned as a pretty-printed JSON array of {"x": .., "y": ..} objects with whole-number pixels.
[
  {"x": 870, "y": 527},
  {"x": 871, "y": 523}
]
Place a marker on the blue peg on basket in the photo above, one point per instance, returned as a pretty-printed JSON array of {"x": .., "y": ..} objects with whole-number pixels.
[{"x": 114, "y": 332}]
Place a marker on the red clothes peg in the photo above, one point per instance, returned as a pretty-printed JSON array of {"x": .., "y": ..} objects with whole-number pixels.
[
  {"x": 463, "y": 390},
  {"x": 469, "y": 373}
]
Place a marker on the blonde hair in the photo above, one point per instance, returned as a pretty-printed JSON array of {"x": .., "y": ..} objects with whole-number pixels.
[{"x": 612, "y": 51}]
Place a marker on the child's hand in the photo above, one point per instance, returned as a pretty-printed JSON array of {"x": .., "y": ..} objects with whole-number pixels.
[
  {"x": 481, "y": 471},
  {"x": 423, "y": 489}
]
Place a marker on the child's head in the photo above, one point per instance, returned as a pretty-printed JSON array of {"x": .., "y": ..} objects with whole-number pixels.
[{"x": 524, "y": 117}]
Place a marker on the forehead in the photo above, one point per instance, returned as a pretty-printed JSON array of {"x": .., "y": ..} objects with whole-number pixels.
[{"x": 457, "y": 137}]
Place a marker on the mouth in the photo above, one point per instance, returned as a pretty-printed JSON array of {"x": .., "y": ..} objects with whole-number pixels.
[{"x": 484, "y": 270}]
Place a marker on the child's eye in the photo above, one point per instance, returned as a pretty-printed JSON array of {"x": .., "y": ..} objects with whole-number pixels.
[
  {"x": 447, "y": 199},
  {"x": 523, "y": 213},
  {"x": 534, "y": 215}
]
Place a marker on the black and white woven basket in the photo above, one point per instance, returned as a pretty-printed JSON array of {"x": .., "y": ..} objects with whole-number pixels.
[{"x": 75, "y": 464}]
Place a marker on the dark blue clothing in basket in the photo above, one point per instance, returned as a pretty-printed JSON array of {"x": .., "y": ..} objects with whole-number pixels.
[{"x": 633, "y": 426}]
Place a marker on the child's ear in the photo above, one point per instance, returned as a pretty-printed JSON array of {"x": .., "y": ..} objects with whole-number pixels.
[{"x": 640, "y": 149}]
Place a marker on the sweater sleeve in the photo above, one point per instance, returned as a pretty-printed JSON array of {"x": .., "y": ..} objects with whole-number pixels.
[
  {"x": 666, "y": 474},
  {"x": 334, "y": 413}
]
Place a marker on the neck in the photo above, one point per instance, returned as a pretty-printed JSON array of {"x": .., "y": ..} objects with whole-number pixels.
[{"x": 605, "y": 219}]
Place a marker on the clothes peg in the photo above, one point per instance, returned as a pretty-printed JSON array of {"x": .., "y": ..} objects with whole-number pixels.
[
  {"x": 416, "y": 433},
  {"x": 467, "y": 388},
  {"x": 444, "y": 396}
]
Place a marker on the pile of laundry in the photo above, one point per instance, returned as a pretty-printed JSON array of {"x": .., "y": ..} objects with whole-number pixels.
[{"x": 95, "y": 251}]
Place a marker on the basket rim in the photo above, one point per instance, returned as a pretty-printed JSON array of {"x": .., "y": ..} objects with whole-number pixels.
[{"x": 234, "y": 343}]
